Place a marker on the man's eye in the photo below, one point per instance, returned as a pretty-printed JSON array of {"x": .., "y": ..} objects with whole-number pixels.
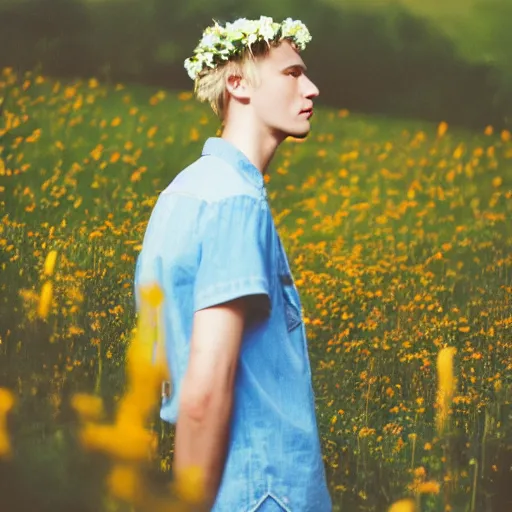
[{"x": 296, "y": 73}]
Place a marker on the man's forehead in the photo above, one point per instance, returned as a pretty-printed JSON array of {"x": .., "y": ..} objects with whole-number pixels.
[{"x": 286, "y": 56}]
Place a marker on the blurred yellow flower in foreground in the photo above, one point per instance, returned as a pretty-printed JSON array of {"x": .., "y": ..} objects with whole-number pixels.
[
  {"x": 6, "y": 403},
  {"x": 403, "y": 506},
  {"x": 152, "y": 294},
  {"x": 123, "y": 482},
  {"x": 189, "y": 485},
  {"x": 45, "y": 299},
  {"x": 87, "y": 406},
  {"x": 128, "y": 443},
  {"x": 49, "y": 263},
  {"x": 445, "y": 387}
]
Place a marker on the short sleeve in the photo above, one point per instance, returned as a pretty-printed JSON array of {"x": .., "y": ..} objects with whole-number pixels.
[{"x": 235, "y": 256}]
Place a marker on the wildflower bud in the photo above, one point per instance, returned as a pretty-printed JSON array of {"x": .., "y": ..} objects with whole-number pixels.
[
  {"x": 49, "y": 263},
  {"x": 45, "y": 300},
  {"x": 446, "y": 386}
]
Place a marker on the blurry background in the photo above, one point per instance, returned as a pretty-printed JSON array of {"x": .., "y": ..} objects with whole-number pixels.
[
  {"x": 397, "y": 224},
  {"x": 441, "y": 59}
]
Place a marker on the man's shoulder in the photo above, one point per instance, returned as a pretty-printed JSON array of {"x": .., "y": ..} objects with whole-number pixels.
[{"x": 210, "y": 178}]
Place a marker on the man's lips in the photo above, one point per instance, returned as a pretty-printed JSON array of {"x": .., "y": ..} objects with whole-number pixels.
[{"x": 307, "y": 111}]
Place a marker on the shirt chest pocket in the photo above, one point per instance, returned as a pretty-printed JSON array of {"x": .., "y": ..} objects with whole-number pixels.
[{"x": 291, "y": 301}]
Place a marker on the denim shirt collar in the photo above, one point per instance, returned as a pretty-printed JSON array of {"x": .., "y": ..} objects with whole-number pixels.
[{"x": 221, "y": 148}]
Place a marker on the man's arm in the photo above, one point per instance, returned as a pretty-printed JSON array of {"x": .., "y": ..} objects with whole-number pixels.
[{"x": 203, "y": 425}]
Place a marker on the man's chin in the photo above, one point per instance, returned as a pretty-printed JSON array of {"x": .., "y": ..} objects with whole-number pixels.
[{"x": 300, "y": 135}]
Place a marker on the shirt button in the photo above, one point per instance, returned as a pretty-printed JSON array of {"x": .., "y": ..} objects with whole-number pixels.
[{"x": 285, "y": 499}]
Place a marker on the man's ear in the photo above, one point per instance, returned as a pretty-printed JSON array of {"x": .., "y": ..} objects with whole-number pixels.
[{"x": 237, "y": 87}]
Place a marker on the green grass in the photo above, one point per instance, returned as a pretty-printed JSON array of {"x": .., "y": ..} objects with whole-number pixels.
[{"x": 399, "y": 241}]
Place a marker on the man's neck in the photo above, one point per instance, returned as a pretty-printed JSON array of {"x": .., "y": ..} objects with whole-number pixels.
[{"x": 259, "y": 148}]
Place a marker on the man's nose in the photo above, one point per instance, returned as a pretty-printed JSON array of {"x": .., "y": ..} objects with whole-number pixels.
[{"x": 311, "y": 89}]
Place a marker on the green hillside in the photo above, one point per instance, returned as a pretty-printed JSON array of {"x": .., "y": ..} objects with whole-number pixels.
[{"x": 400, "y": 242}]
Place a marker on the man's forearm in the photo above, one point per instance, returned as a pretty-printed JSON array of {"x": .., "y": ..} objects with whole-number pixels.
[{"x": 202, "y": 442}]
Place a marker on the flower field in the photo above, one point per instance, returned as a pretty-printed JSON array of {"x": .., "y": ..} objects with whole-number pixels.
[{"x": 399, "y": 234}]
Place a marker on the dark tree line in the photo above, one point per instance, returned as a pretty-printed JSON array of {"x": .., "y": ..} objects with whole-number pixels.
[{"x": 387, "y": 62}]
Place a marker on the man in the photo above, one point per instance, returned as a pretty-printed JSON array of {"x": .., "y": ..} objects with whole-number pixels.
[{"x": 242, "y": 396}]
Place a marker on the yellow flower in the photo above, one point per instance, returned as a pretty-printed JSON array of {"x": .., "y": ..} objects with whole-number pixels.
[
  {"x": 419, "y": 472},
  {"x": 69, "y": 92},
  {"x": 153, "y": 294},
  {"x": 123, "y": 482},
  {"x": 97, "y": 151},
  {"x": 6, "y": 400},
  {"x": 49, "y": 263},
  {"x": 442, "y": 128},
  {"x": 194, "y": 134},
  {"x": 45, "y": 299},
  {"x": 189, "y": 484},
  {"x": 365, "y": 432},
  {"x": 459, "y": 151},
  {"x": 406, "y": 505},
  {"x": 184, "y": 96},
  {"x": 35, "y": 136},
  {"x": 497, "y": 181},
  {"x": 89, "y": 407},
  {"x": 430, "y": 487},
  {"x": 446, "y": 385},
  {"x": 6, "y": 403},
  {"x": 135, "y": 176},
  {"x": 126, "y": 442},
  {"x": 115, "y": 157}
]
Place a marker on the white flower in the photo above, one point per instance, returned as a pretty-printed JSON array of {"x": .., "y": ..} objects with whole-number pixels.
[
  {"x": 210, "y": 40},
  {"x": 266, "y": 29},
  {"x": 265, "y": 20},
  {"x": 208, "y": 58},
  {"x": 193, "y": 67},
  {"x": 239, "y": 29},
  {"x": 242, "y": 24},
  {"x": 224, "y": 42},
  {"x": 297, "y": 31},
  {"x": 215, "y": 29},
  {"x": 252, "y": 38}
]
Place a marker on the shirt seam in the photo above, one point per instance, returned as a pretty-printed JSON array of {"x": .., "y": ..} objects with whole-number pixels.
[
  {"x": 213, "y": 201},
  {"x": 235, "y": 167},
  {"x": 213, "y": 290}
]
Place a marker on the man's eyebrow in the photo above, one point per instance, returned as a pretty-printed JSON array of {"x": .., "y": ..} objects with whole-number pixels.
[{"x": 298, "y": 65}]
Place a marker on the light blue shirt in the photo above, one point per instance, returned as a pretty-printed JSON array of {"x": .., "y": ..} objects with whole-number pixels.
[{"x": 210, "y": 239}]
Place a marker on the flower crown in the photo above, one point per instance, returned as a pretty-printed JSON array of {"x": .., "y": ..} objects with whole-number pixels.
[{"x": 220, "y": 43}]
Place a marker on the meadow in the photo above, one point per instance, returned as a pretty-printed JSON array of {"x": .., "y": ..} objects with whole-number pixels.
[{"x": 400, "y": 242}]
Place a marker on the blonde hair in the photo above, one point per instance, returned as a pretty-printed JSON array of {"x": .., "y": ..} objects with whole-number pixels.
[{"x": 210, "y": 85}]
